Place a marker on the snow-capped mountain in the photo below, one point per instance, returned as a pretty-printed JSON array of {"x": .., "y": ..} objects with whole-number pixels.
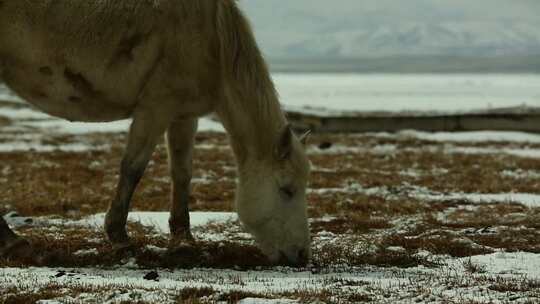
[{"x": 364, "y": 28}]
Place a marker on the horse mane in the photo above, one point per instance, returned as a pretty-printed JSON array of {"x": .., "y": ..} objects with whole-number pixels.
[{"x": 247, "y": 79}]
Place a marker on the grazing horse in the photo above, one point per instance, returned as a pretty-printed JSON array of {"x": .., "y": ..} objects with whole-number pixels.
[{"x": 163, "y": 63}]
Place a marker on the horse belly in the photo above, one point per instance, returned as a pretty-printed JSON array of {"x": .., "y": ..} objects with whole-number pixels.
[{"x": 64, "y": 93}]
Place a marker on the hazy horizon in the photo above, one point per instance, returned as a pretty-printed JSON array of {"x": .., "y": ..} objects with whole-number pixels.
[{"x": 364, "y": 28}]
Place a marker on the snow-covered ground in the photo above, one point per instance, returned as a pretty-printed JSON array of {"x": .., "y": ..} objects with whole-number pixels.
[
  {"x": 469, "y": 278},
  {"x": 490, "y": 273},
  {"x": 129, "y": 284},
  {"x": 327, "y": 93}
]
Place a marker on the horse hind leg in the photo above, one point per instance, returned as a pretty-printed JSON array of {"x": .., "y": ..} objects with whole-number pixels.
[
  {"x": 145, "y": 131},
  {"x": 180, "y": 140}
]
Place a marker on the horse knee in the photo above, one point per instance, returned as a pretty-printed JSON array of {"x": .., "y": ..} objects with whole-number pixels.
[{"x": 132, "y": 171}]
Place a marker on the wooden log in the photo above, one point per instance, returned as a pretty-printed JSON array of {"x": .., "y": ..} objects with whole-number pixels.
[{"x": 524, "y": 119}]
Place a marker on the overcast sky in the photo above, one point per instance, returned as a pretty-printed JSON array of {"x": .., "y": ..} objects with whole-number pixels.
[
  {"x": 398, "y": 10},
  {"x": 367, "y": 27}
]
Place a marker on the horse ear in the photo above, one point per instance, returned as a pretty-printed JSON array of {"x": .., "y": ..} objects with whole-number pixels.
[
  {"x": 304, "y": 138},
  {"x": 284, "y": 145}
]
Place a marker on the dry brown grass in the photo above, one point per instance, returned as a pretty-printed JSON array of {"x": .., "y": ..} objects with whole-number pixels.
[
  {"x": 78, "y": 184},
  {"x": 52, "y": 290},
  {"x": 193, "y": 295},
  {"x": 466, "y": 173},
  {"x": 515, "y": 285},
  {"x": 17, "y": 296},
  {"x": 83, "y": 183},
  {"x": 512, "y": 240},
  {"x": 60, "y": 250},
  {"x": 366, "y": 229},
  {"x": 472, "y": 267},
  {"x": 352, "y": 224}
]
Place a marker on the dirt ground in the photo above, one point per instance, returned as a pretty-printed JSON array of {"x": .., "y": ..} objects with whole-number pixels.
[{"x": 377, "y": 202}]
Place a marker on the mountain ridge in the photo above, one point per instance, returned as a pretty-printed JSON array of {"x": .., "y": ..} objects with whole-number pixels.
[{"x": 364, "y": 29}]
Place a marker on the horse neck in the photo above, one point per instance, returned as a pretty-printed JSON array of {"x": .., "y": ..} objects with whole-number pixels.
[
  {"x": 250, "y": 110},
  {"x": 253, "y": 118}
]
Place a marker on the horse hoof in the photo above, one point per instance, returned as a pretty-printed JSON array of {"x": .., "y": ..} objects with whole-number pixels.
[
  {"x": 126, "y": 246},
  {"x": 182, "y": 242},
  {"x": 124, "y": 249},
  {"x": 180, "y": 249},
  {"x": 118, "y": 237},
  {"x": 18, "y": 248}
]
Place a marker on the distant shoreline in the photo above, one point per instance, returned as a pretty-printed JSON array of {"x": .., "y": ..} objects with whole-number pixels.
[{"x": 410, "y": 65}]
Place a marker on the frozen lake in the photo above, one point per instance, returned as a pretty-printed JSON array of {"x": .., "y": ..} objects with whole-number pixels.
[{"x": 397, "y": 93}]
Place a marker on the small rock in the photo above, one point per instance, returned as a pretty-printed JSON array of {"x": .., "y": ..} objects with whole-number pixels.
[
  {"x": 60, "y": 273},
  {"x": 152, "y": 276},
  {"x": 325, "y": 145}
]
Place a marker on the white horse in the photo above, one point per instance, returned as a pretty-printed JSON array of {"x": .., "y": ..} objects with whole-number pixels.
[{"x": 163, "y": 63}]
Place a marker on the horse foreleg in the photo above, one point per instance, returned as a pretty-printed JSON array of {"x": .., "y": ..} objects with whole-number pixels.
[
  {"x": 144, "y": 134},
  {"x": 12, "y": 245},
  {"x": 180, "y": 140}
]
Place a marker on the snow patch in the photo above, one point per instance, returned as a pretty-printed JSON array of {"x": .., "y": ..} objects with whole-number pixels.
[
  {"x": 521, "y": 174},
  {"x": 160, "y": 220},
  {"x": 265, "y": 301},
  {"x": 37, "y": 146},
  {"x": 527, "y": 199},
  {"x": 478, "y": 136},
  {"x": 521, "y": 263}
]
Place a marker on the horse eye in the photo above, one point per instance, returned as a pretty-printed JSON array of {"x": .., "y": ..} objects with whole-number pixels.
[{"x": 287, "y": 191}]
